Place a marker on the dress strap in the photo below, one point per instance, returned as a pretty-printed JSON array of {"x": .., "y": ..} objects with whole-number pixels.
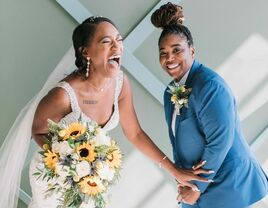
[
  {"x": 73, "y": 100},
  {"x": 119, "y": 85}
]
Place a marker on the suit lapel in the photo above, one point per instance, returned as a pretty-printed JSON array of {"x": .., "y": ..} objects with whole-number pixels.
[{"x": 189, "y": 84}]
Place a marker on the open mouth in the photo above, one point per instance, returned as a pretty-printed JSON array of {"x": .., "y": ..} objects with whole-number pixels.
[{"x": 115, "y": 59}]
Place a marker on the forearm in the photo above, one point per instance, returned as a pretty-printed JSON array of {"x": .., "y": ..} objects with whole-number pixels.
[{"x": 147, "y": 146}]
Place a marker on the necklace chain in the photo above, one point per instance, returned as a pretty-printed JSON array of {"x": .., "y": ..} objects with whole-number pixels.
[{"x": 103, "y": 88}]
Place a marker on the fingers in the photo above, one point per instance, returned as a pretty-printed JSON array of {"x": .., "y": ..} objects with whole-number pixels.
[
  {"x": 198, "y": 178},
  {"x": 199, "y": 165},
  {"x": 179, "y": 198},
  {"x": 180, "y": 188},
  {"x": 192, "y": 186},
  {"x": 199, "y": 171}
]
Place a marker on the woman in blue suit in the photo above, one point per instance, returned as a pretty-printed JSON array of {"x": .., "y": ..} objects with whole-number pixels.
[{"x": 203, "y": 123}]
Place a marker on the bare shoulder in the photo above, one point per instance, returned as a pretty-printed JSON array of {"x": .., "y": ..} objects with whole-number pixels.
[
  {"x": 57, "y": 96},
  {"x": 55, "y": 104}
]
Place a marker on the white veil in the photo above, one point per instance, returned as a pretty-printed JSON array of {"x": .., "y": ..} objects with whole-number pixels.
[{"x": 16, "y": 144}]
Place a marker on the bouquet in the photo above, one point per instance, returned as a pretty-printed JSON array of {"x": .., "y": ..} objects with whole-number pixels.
[{"x": 80, "y": 161}]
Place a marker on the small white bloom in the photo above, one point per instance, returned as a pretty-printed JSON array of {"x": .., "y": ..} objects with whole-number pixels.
[
  {"x": 55, "y": 146},
  {"x": 62, "y": 171},
  {"x": 62, "y": 148},
  {"x": 82, "y": 169},
  {"x": 106, "y": 172},
  {"x": 75, "y": 156},
  {"x": 88, "y": 204},
  {"x": 61, "y": 181},
  {"x": 101, "y": 138},
  {"x": 91, "y": 128},
  {"x": 181, "y": 101}
]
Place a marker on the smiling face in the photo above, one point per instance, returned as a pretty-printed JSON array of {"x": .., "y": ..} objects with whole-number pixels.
[
  {"x": 105, "y": 50},
  {"x": 175, "y": 55}
]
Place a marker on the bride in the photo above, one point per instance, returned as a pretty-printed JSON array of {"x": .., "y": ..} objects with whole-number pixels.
[{"x": 98, "y": 90}]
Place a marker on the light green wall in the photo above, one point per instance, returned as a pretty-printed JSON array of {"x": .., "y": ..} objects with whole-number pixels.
[{"x": 34, "y": 35}]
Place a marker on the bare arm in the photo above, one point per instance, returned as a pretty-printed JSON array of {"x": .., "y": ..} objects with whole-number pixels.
[
  {"x": 53, "y": 106},
  {"x": 141, "y": 140}
]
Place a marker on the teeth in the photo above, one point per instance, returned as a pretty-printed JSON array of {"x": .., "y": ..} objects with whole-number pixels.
[
  {"x": 114, "y": 56},
  {"x": 172, "y": 66}
]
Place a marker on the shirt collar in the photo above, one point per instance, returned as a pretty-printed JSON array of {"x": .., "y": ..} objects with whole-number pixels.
[{"x": 184, "y": 78}]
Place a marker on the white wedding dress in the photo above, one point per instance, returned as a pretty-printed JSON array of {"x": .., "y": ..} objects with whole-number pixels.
[{"x": 39, "y": 186}]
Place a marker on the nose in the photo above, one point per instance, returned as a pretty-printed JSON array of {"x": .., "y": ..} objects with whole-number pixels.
[
  {"x": 169, "y": 57},
  {"x": 117, "y": 45}
]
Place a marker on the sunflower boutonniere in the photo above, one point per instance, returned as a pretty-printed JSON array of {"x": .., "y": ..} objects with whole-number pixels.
[{"x": 180, "y": 96}]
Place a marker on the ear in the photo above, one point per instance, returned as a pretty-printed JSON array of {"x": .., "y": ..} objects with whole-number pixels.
[
  {"x": 84, "y": 52},
  {"x": 193, "y": 51}
]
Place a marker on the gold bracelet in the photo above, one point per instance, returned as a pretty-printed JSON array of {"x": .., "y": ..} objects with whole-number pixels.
[{"x": 160, "y": 163}]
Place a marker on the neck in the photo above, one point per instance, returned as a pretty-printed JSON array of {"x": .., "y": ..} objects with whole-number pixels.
[{"x": 98, "y": 83}]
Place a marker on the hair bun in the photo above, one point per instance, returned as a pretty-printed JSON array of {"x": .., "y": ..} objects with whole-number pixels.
[{"x": 167, "y": 14}]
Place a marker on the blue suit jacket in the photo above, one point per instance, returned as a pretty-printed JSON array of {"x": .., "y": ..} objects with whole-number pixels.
[{"x": 209, "y": 129}]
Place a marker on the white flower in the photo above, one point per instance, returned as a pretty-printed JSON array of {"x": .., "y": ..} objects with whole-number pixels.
[
  {"x": 75, "y": 156},
  {"x": 181, "y": 101},
  {"x": 62, "y": 171},
  {"x": 102, "y": 138},
  {"x": 106, "y": 172},
  {"x": 62, "y": 148},
  {"x": 89, "y": 204},
  {"x": 91, "y": 128},
  {"x": 82, "y": 169}
]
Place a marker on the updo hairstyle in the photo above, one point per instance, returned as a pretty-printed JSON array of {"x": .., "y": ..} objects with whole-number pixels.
[
  {"x": 82, "y": 37},
  {"x": 169, "y": 17}
]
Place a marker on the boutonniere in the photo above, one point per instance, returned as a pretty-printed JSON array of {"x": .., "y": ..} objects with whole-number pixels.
[{"x": 180, "y": 96}]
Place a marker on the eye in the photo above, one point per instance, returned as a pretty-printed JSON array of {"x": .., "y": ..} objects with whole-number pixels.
[
  {"x": 106, "y": 40},
  {"x": 162, "y": 54},
  {"x": 120, "y": 39},
  {"x": 177, "y": 50}
]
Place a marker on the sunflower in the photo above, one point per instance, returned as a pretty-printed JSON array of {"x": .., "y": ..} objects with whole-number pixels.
[
  {"x": 74, "y": 131},
  {"x": 86, "y": 152},
  {"x": 114, "y": 158},
  {"x": 174, "y": 98},
  {"x": 91, "y": 185},
  {"x": 50, "y": 160}
]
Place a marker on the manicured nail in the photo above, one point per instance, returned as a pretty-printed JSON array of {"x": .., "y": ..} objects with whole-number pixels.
[
  {"x": 196, "y": 189},
  {"x": 204, "y": 162},
  {"x": 210, "y": 181},
  {"x": 211, "y": 171}
]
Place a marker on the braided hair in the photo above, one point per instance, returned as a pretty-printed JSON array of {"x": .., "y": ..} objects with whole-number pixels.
[{"x": 169, "y": 17}]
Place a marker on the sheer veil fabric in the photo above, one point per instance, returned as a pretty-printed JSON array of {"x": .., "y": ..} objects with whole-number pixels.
[{"x": 16, "y": 144}]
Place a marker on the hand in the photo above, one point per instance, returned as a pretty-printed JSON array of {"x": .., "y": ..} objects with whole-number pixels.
[
  {"x": 184, "y": 177},
  {"x": 200, "y": 165},
  {"x": 187, "y": 195}
]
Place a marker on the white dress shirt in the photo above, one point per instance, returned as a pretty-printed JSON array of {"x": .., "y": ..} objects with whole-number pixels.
[{"x": 181, "y": 82}]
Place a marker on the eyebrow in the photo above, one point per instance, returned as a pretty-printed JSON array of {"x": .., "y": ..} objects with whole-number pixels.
[{"x": 174, "y": 45}]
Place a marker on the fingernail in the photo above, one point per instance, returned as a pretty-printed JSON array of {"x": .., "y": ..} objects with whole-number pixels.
[
  {"x": 196, "y": 189},
  {"x": 210, "y": 181},
  {"x": 193, "y": 167},
  {"x": 211, "y": 171},
  {"x": 204, "y": 162}
]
